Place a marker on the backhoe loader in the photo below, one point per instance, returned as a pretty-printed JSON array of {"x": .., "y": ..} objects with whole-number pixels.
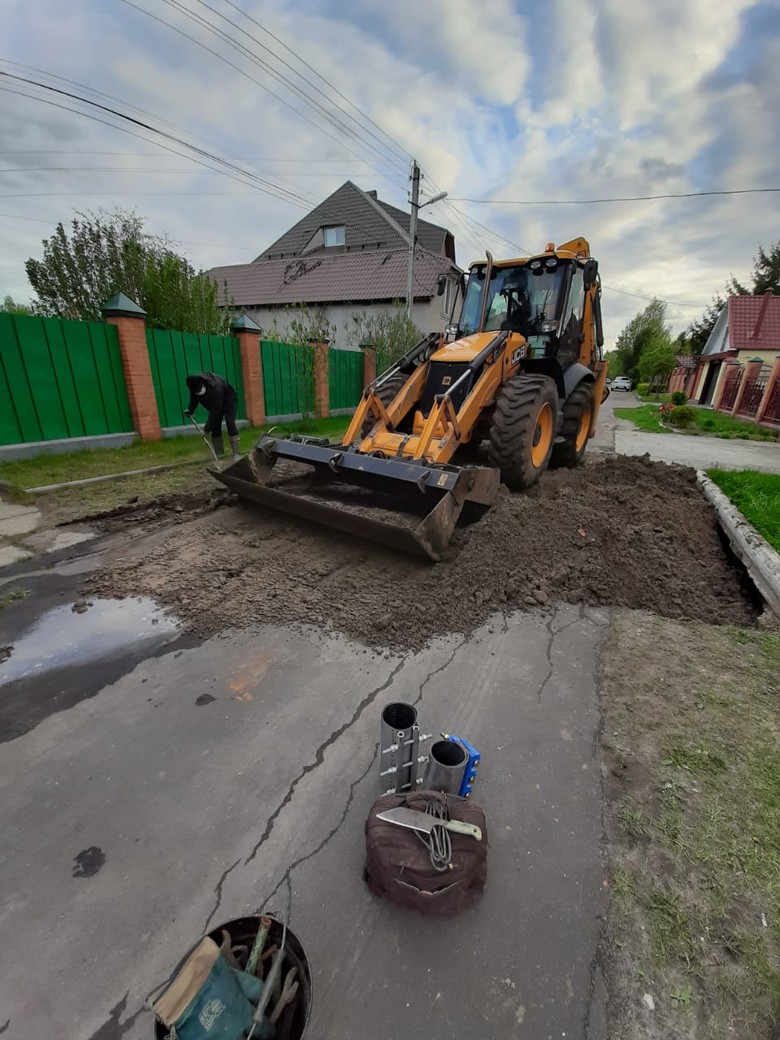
[{"x": 513, "y": 386}]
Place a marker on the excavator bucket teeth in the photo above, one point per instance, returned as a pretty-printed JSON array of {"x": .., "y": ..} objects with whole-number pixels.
[{"x": 408, "y": 506}]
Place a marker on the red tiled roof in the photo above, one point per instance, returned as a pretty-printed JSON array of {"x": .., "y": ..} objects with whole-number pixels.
[
  {"x": 345, "y": 277},
  {"x": 745, "y": 314}
]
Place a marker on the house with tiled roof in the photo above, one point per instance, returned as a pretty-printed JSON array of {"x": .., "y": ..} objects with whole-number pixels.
[
  {"x": 348, "y": 256},
  {"x": 739, "y": 369}
]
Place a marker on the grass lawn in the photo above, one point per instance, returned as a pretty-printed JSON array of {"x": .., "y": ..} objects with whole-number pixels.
[
  {"x": 57, "y": 469},
  {"x": 713, "y": 423},
  {"x": 692, "y": 755},
  {"x": 757, "y": 495},
  {"x": 658, "y": 398},
  {"x": 646, "y": 418}
]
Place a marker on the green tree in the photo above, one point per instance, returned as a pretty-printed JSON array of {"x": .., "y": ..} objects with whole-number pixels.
[
  {"x": 657, "y": 362},
  {"x": 645, "y": 332},
  {"x": 110, "y": 252},
  {"x": 390, "y": 333},
  {"x": 614, "y": 360},
  {"x": 765, "y": 275},
  {"x": 10, "y": 306}
]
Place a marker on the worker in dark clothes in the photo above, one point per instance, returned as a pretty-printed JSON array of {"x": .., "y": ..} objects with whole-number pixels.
[{"x": 219, "y": 399}]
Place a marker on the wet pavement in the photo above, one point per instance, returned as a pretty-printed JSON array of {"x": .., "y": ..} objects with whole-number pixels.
[{"x": 161, "y": 788}]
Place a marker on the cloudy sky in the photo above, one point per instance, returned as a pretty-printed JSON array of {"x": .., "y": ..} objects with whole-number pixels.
[{"x": 563, "y": 100}]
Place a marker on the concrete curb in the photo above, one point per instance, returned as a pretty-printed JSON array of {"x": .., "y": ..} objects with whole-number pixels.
[
  {"x": 760, "y": 559},
  {"x": 115, "y": 476}
]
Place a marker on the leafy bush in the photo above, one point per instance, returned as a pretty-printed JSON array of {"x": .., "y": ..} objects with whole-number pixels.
[
  {"x": 642, "y": 388},
  {"x": 679, "y": 397},
  {"x": 682, "y": 416}
]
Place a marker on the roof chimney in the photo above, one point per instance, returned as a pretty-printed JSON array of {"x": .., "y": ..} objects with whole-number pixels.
[
  {"x": 371, "y": 194},
  {"x": 761, "y": 314}
]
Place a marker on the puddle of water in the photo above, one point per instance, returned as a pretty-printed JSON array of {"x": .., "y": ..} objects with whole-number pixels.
[{"x": 64, "y": 636}]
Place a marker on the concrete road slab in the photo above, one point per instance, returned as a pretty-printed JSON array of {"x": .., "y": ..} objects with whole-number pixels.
[
  {"x": 700, "y": 452},
  {"x": 12, "y": 554},
  {"x": 211, "y": 781}
]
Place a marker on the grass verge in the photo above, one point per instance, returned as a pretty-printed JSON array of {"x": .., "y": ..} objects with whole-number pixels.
[
  {"x": 692, "y": 787},
  {"x": 756, "y": 495},
  {"x": 645, "y": 418},
  {"x": 712, "y": 423},
  {"x": 57, "y": 469},
  {"x": 73, "y": 504}
]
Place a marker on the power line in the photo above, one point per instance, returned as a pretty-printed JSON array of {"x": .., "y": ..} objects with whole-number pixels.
[
  {"x": 266, "y": 186},
  {"x": 257, "y": 61},
  {"x": 401, "y": 150},
  {"x": 156, "y": 155},
  {"x": 396, "y": 156},
  {"x": 622, "y": 198},
  {"x": 146, "y": 170},
  {"x": 280, "y": 186}
]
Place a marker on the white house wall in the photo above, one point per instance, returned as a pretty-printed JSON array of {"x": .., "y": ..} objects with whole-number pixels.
[{"x": 426, "y": 315}]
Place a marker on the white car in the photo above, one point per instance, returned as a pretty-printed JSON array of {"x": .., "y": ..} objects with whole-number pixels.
[{"x": 622, "y": 383}]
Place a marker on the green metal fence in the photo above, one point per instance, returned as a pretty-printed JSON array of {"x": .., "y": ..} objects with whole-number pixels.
[
  {"x": 60, "y": 379},
  {"x": 175, "y": 355},
  {"x": 346, "y": 377},
  {"x": 288, "y": 378}
]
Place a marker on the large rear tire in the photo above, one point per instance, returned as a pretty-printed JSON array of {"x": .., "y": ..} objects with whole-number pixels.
[
  {"x": 387, "y": 392},
  {"x": 523, "y": 429},
  {"x": 575, "y": 426}
]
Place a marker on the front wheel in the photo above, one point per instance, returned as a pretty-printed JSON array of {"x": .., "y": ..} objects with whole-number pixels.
[
  {"x": 575, "y": 427},
  {"x": 523, "y": 429}
]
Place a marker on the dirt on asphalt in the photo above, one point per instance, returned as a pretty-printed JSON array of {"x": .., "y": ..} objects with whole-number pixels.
[{"x": 617, "y": 531}]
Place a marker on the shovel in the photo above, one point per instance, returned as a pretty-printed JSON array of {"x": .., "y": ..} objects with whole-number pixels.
[{"x": 206, "y": 441}]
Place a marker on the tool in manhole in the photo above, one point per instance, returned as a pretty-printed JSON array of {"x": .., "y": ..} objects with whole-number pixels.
[{"x": 211, "y": 993}]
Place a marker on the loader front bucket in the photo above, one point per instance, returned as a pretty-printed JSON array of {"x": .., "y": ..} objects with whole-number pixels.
[{"x": 407, "y": 505}]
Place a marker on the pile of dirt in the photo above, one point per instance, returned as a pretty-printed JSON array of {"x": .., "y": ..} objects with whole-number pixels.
[{"x": 617, "y": 531}]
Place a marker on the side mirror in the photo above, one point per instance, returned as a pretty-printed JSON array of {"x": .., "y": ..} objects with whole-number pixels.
[
  {"x": 590, "y": 272},
  {"x": 441, "y": 284}
]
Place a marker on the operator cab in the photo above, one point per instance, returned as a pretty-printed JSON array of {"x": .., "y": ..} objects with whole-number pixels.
[{"x": 542, "y": 299}]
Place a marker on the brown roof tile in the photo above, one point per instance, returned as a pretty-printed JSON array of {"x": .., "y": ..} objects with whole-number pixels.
[
  {"x": 748, "y": 314},
  {"x": 330, "y": 278}
]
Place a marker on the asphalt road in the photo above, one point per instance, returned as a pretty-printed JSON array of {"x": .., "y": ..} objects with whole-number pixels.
[
  {"x": 168, "y": 787},
  {"x": 620, "y": 435}
]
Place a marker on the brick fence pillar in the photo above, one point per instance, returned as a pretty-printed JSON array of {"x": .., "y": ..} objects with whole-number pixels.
[
  {"x": 248, "y": 335},
  {"x": 774, "y": 377},
  {"x": 369, "y": 363},
  {"x": 321, "y": 377},
  {"x": 130, "y": 323},
  {"x": 752, "y": 369}
]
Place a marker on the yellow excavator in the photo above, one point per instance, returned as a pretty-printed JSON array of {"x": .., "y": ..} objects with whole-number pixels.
[{"x": 512, "y": 387}]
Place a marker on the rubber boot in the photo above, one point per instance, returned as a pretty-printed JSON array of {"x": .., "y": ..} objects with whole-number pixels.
[
  {"x": 219, "y": 444},
  {"x": 235, "y": 444}
]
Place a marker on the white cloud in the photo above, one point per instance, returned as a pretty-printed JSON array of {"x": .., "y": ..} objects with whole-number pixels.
[{"x": 580, "y": 98}]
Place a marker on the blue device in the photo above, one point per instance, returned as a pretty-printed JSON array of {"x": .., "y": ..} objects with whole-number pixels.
[{"x": 470, "y": 774}]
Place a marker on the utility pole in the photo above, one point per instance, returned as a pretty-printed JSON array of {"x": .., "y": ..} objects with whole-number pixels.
[{"x": 415, "y": 201}]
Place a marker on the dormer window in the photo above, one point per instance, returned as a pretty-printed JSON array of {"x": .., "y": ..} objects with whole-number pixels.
[{"x": 334, "y": 236}]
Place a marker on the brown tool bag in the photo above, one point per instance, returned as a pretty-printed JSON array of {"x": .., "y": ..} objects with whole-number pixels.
[{"x": 398, "y": 862}]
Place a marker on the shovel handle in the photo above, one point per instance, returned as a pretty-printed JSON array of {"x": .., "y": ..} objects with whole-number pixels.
[{"x": 459, "y": 827}]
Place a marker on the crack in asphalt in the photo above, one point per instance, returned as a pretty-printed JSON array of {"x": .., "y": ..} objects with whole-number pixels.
[
  {"x": 287, "y": 876},
  {"x": 319, "y": 757},
  {"x": 218, "y": 893},
  {"x": 112, "y": 1028},
  {"x": 553, "y": 634}
]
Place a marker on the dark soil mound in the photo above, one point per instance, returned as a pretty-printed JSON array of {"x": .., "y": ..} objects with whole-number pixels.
[{"x": 617, "y": 531}]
